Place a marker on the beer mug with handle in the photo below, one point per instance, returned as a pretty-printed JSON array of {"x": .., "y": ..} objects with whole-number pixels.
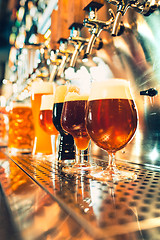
[{"x": 21, "y": 128}]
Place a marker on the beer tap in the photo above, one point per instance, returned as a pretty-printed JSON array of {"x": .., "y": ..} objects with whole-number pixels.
[
  {"x": 153, "y": 5},
  {"x": 55, "y": 63},
  {"x": 145, "y": 7},
  {"x": 40, "y": 72},
  {"x": 151, "y": 92},
  {"x": 96, "y": 26},
  {"x": 66, "y": 55},
  {"x": 78, "y": 41}
]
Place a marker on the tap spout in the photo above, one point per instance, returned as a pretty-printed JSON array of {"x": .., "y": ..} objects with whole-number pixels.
[
  {"x": 53, "y": 73},
  {"x": 78, "y": 49},
  {"x": 96, "y": 27},
  {"x": 116, "y": 24},
  {"x": 91, "y": 43},
  {"x": 62, "y": 66}
]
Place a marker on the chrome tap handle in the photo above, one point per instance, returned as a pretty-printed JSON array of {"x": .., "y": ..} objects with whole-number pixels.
[
  {"x": 53, "y": 73},
  {"x": 90, "y": 44},
  {"x": 149, "y": 92},
  {"x": 80, "y": 42},
  {"x": 116, "y": 24},
  {"x": 96, "y": 27},
  {"x": 152, "y": 6},
  {"x": 145, "y": 7},
  {"x": 62, "y": 66},
  {"x": 122, "y": 7},
  {"x": 65, "y": 53}
]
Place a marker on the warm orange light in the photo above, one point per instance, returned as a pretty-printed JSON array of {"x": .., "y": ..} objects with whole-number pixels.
[{"x": 47, "y": 34}]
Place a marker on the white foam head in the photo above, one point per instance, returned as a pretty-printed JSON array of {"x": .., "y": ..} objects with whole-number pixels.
[
  {"x": 47, "y": 102},
  {"x": 20, "y": 104},
  {"x": 72, "y": 96},
  {"x": 62, "y": 90},
  {"x": 42, "y": 87},
  {"x": 110, "y": 89}
]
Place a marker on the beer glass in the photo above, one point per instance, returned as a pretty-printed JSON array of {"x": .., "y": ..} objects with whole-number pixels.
[
  {"x": 66, "y": 146},
  {"x": 21, "y": 128},
  {"x": 73, "y": 122},
  {"x": 42, "y": 141},
  {"x": 4, "y": 123},
  {"x": 111, "y": 122},
  {"x": 46, "y": 121}
]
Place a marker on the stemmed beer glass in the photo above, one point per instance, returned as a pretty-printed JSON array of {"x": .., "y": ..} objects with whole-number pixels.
[
  {"x": 73, "y": 121},
  {"x": 111, "y": 122}
]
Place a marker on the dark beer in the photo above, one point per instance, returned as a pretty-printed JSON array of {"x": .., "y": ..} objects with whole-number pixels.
[
  {"x": 111, "y": 122},
  {"x": 66, "y": 146},
  {"x": 60, "y": 94},
  {"x": 57, "y": 110},
  {"x": 73, "y": 121}
]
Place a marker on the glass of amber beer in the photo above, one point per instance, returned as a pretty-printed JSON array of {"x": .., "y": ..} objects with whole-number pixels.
[
  {"x": 21, "y": 127},
  {"x": 73, "y": 122},
  {"x": 46, "y": 121},
  {"x": 111, "y": 122},
  {"x": 42, "y": 142}
]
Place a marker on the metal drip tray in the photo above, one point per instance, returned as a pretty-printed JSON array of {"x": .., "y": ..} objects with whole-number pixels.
[{"x": 123, "y": 210}]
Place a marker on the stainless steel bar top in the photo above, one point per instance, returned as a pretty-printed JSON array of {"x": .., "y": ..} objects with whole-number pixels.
[{"x": 45, "y": 203}]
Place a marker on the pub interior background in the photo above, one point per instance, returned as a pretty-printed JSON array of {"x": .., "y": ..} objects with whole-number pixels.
[{"x": 120, "y": 39}]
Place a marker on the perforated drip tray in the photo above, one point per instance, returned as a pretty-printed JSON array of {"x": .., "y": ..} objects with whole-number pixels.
[{"x": 123, "y": 210}]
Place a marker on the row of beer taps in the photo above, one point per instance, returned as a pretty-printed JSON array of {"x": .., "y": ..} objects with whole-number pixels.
[
  {"x": 114, "y": 25},
  {"x": 65, "y": 57}
]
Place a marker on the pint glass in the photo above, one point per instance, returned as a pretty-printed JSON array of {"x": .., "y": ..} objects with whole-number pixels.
[
  {"x": 42, "y": 141},
  {"x": 46, "y": 121},
  {"x": 46, "y": 110}
]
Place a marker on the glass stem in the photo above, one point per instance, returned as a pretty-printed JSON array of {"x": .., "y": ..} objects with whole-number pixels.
[
  {"x": 111, "y": 164},
  {"x": 81, "y": 156},
  {"x": 78, "y": 156}
]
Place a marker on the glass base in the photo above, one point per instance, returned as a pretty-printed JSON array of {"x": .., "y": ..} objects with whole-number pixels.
[
  {"x": 42, "y": 156},
  {"x": 80, "y": 167},
  {"x": 113, "y": 176},
  {"x": 16, "y": 151}
]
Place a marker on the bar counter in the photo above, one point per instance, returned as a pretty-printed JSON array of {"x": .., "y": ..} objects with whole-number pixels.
[{"x": 39, "y": 201}]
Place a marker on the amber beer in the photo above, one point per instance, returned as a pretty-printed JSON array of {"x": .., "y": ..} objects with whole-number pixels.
[
  {"x": 21, "y": 128},
  {"x": 112, "y": 116},
  {"x": 45, "y": 117},
  {"x": 42, "y": 143},
  {"x": 73, "y": 119}
]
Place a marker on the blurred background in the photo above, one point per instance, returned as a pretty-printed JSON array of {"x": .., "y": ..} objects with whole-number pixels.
[{"x": 7, "y": 19}]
